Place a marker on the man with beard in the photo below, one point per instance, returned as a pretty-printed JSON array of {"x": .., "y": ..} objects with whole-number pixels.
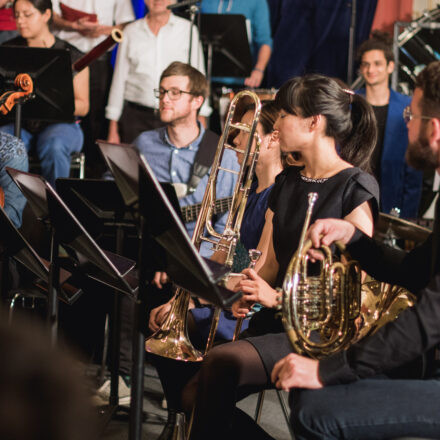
[
  {"x": 376, "y": 390},
  {"x": 172, "y": 150}
]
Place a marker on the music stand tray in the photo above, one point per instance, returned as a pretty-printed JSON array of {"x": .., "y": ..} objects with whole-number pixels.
[
  {"x": 183, "y": 264},
  {"x": 51, "y": 73},
  {"x": 123, "y": 160},
  {"x": 19, "y": 249},
  {"x": 226, "y": 45},
  {"x": 103, "y": 266},
  {"x": 95, "y": 203}
]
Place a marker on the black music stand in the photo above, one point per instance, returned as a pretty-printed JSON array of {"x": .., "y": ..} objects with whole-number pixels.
[
  {"x": 18, "y": 248},
  {"x": 99, "y": 206},
  {"x": 105, "y": 267},
  {"x": 51, "y": 73},
  {"x": 123, "y": 162},
  {"x": 35, "y": 193},
  {"x": 226, "y": 45},
  {"x": 96, "y": 203},
  {"x": 160, "y": 221},
  {"x": 183, "y": 263}
]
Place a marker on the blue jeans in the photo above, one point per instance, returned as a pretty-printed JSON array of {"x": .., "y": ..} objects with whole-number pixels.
[
  {"x": 53, "y": 146},
  {"x": 374, "y": 408},
  {"x": 13, "y": 155}
]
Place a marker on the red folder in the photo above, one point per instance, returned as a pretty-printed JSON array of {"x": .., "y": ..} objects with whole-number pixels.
[{"x": 71, "y": 14}]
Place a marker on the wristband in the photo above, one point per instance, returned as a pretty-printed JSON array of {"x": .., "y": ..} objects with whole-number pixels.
[{"x": 258, "y": 70}]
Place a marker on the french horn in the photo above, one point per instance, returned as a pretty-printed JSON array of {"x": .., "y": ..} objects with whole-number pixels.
[{"x": 327, "y": 312}]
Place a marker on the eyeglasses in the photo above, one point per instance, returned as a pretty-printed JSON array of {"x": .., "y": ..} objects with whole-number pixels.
[
  {"x": 407, "y": 115},
  {"x": 174, "y": 94}
]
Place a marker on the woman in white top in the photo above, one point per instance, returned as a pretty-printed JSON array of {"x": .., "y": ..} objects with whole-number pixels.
[{"x": 149, "y": 46}]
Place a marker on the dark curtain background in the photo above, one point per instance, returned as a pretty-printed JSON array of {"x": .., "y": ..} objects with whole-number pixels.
[
  {"x": 313, "y": 35},
  {"x": 310, "y": 36}
]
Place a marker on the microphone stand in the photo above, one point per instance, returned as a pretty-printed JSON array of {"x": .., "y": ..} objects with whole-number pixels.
[
  {"x": 351, "y": 41},
  {"x": 193, "y": 11},
  {"x": 193, "y": 8}
]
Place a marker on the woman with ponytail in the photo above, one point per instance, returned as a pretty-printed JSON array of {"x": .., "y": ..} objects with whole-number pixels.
[{"x": 333, "y": 132}]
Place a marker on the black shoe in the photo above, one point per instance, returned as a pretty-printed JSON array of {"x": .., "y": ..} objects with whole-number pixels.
[{"x": 174, "y": 428}]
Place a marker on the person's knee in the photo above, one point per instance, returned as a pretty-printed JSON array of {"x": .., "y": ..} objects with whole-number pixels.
[
  {"x": 52, "y": 148},
  {"x": 306, "y": 411},
  {"x": 60, "y": 139},
  {"x": 222, "y": 362},
  {"x": 220, "y": 368}
]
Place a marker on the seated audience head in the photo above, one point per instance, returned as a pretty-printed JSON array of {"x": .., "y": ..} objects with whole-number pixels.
[
  {"x": 181, "y": 93},
  {"x": 42, "y": 395},
  {"x": 423, "y": 120},
  {"x": 376, "y": 59},
  {"x": 315, "y": 106}
]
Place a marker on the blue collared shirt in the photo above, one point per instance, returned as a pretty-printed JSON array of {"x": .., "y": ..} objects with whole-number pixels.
[{"x": 172, "y": 164}]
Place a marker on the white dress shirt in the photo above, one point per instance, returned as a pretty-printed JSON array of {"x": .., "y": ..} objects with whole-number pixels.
[
  {"x": 109, "y": 12},
  {"x": 143, "y": 56}
]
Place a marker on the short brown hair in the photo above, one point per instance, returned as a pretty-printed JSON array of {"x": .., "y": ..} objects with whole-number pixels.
[
  {"x": 378, "y": 41},
  {"x": 429, "y": 81},
  {"x": 198, "y": 84}
]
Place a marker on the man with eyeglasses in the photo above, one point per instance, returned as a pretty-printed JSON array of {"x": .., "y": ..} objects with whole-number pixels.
[
  {"x": 173, "y": 152},
  {"x": 376, "y": 390},
  {"x": 400, "y": 185},
  {"x": 150, "y": 44}
]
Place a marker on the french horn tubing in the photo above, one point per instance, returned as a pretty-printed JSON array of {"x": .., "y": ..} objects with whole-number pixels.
[{"x": 325, "y": 313}]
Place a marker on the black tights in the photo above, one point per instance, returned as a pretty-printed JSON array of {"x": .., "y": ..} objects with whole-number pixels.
[
  {"x": 228, "y": 374},
  {"x": 174, "y": 375}
]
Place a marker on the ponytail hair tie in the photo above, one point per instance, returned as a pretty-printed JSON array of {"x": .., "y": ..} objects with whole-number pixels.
[{"x": 350, "y": 92}]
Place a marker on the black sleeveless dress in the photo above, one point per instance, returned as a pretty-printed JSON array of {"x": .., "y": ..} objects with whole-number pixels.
[{"x": 338, "y": 196}]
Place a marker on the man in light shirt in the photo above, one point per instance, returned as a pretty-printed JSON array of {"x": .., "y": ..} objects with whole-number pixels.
[
  {"x": 149, "y": 46},
  {"x": 86, "y": 33}
]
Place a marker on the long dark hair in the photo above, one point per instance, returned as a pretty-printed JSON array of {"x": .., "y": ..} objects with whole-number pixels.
[{"x": 350, "y": 119}]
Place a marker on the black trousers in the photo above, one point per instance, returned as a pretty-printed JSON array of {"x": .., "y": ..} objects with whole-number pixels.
[{"x": 136, "y": 119}]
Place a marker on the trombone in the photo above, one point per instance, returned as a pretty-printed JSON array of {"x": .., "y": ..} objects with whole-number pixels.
[{"x": 172, "y": 340}]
